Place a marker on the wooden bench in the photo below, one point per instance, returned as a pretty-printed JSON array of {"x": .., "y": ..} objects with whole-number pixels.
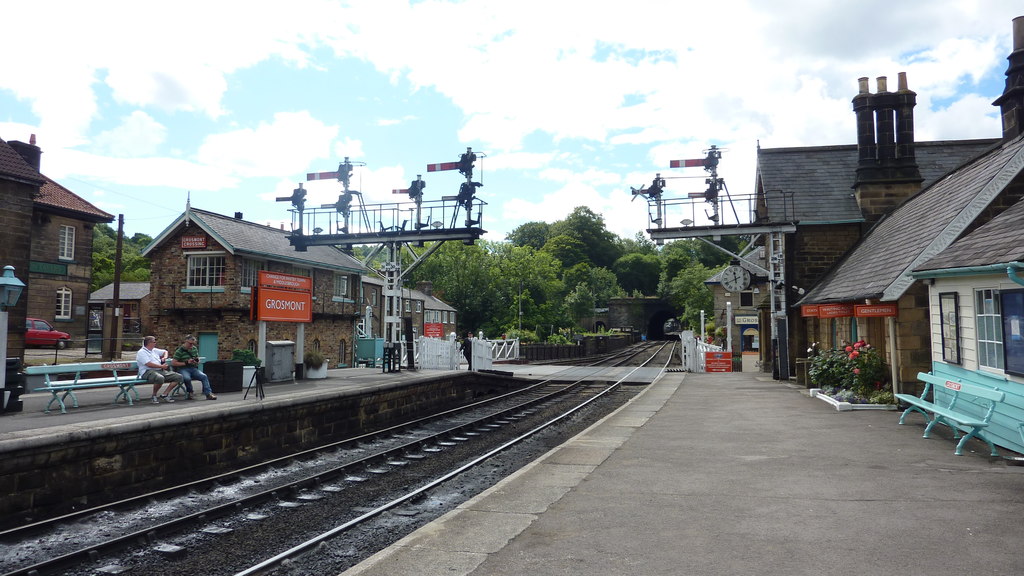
[
  {"x": 984, "y": 399},
  {"x": 124, "y": 375}
]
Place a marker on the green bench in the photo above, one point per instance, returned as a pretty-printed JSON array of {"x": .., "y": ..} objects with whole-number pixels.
[
  {"x": 62, "y": 380},
  {"x": 950, "y": 414}
]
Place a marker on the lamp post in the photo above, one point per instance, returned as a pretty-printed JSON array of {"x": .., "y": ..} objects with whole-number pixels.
[{"x": 10, "y": 291}]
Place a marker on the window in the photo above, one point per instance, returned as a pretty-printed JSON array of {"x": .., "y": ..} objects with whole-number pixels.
[
  {"x": 251, "y": 272},
  {"x": 950, "y": 312},
  {"x": 340, "y": 285},
  {"x": 63, "y": 311},
  {"x": 406, "y": 304},
  {"x": 66, "y": 243},
  {"x": 747, "y": 299},
  {"x": 302, "y": 272},
  {"x": 1011, "y": 305},
  {"x": 373, "y": 297},
  {"x": 419, "y": 306},
  {"x": 990, "y": 329},
  {"x": 205, "y": 270}
]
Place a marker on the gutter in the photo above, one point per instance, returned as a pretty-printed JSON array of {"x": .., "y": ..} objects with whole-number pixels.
[{"x": 1012, "y": 269}]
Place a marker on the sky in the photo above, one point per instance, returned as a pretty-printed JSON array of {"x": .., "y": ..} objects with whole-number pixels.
[{"x": 139, "y": 107}]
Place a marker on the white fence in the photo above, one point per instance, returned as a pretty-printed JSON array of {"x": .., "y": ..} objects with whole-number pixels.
[
  {"x": 447, "y": 354},
  {"x": 691, "y": 351}
]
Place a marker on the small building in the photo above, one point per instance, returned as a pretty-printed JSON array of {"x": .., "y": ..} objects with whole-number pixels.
[
  {"x": 976, "y": 315},
  {"x": 204, "y": 266},
  {"x": 19, "y": 186}
]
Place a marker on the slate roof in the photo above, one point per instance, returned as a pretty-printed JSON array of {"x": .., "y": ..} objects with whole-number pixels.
[
  {"x": 53, "y": 195},
  {"x": 878, "y": 266},
  {"x": 14, "y": 167},
  {"x": 250, "y": 239},
  {"x": 999, "y": 241},
  {"x": 821, "y": 178},
  {"x": 129, "y": 291}
]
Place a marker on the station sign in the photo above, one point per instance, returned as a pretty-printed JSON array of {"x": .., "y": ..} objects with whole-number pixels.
[
  {"x": 743, "y": 320},
  {"x": 433, "y": 330},
  {"x": 193, "y": 242},
  {"x": 280, "y": 297},
  {"x": 718, "y": 361},
  {"x": 875, "y": 310}
]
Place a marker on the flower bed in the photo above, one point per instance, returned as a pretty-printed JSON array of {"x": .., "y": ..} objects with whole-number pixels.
[{"x": 851, "y": 378}]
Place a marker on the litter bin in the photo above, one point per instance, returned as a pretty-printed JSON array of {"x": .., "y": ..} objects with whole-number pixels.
[
  {"x": 225, "y": 375},
  {"x": 14, "y": 386},
  {"x": 280, "y": 360}
]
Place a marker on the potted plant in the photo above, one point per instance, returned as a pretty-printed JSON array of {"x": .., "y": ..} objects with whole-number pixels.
[
  {"x": 315, "y": 363},
  {"x": 249, "y": 363}
]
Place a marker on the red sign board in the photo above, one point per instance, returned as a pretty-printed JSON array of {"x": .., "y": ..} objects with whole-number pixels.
[
  {"x": 718, "y": 361},
  {"x": 809, "y": 310},
  {"x": 188, "y": 242},
  {"x": 875, "y": 310},
  {"x": 433, "y": 330},
  {"x": 283, "y": 297},
  {"x": 835, "y": 310},
  {"x": 953, "y": 385}
]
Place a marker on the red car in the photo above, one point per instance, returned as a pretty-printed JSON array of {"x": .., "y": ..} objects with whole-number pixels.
[{"x": 40, "y": 333}]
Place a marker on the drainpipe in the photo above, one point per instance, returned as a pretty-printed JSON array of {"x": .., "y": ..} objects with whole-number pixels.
[
  {"x": 894, "y": 365},
  {"x": 1013, "y": 270}
]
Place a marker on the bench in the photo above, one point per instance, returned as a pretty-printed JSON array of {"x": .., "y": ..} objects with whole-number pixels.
[
  {"x": 984, "y": 399},
  {"x": 124, "y": 375},
  {"x": 179, "y": 388}
]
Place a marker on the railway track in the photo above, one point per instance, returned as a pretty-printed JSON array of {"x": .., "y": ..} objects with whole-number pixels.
[{"x": 220, "y": 525}]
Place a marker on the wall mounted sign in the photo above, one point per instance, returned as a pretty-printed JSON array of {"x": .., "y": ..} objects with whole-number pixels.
[
  {"x": 279, "y": 297},
  {"x": 875, "y": 310},
  {"x": 193, "y": 242}
]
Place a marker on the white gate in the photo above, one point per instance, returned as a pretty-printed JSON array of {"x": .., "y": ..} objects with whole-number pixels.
[
  {"x": 691, "y": 351},
  {"x": 439, "y": 353}
]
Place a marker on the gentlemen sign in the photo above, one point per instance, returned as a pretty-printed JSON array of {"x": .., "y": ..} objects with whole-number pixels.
[{"x": 280, "y": 297}]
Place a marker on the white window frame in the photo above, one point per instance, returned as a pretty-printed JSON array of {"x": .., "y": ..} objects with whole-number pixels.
[
  {"x": 64, "y": 301},
  {"x": 419, "y": 306},
  {"x": 204, "y": 267},
  {"x": 989, "y": 328},
  {"x": 66, "y": 242},
  {"x": 341, "y": 285},
  {"x": 251, "y": 272}
]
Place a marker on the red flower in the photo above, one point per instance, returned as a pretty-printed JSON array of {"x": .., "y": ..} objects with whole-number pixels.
[
  {"x": 849, "y": 348},
  {"x": 856, "y": 370}
]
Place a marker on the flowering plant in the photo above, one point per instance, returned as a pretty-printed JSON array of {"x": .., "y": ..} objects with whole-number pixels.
[{"x": 855, "y": 373}]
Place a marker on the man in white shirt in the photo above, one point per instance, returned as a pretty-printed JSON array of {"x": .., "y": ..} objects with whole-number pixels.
[{"x": 153, "y": 367}]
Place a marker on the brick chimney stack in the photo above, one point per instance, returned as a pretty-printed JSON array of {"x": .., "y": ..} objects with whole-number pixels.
[
  {"x": 1011, "y": 103},
  {"x": 887, "y": 171},
  {"x": 29, "y": 152}
]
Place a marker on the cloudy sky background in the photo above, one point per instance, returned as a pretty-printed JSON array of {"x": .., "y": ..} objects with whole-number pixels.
[{"x": 138, "y": 104}]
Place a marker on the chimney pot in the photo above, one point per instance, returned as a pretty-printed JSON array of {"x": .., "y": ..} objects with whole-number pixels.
[
  {"x": 238, "y": 215},
  {"x": 902, "y": 82},
  {"x": 862, "y": 85},
  {"x": 883, "y": 84}
]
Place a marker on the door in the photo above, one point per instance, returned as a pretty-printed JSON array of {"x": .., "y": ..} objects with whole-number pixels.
[{"x": 207, "y": 346}]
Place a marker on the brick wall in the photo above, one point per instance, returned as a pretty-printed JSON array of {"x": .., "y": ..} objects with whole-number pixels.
[{"x": 16, "y": 221}]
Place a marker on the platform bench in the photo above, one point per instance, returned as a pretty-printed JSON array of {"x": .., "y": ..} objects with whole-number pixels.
[
  {"x": 949, "y": 414},
  {"x": 124, "y": 375}
]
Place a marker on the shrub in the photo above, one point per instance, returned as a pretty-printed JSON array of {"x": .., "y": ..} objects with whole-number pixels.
[
  {"x": 313, "y": 359},
  {"x": 856, "y": 373},
  {"x": 248, "y": 357}
]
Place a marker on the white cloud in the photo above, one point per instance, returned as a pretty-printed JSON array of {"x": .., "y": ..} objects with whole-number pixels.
[{"x": 137, "y": 135}]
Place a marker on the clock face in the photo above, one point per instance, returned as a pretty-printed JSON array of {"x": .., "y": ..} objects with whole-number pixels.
[{"x": 735, "y": 278}]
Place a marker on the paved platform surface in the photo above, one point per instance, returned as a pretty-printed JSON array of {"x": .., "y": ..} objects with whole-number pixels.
[{"x": 728, "y": 474}]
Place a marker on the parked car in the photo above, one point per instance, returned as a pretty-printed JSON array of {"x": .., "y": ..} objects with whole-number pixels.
[{"x": 41, "y": 333}]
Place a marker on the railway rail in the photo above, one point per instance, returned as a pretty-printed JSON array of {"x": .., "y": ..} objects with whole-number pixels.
[{"x": 347, "y": 485}]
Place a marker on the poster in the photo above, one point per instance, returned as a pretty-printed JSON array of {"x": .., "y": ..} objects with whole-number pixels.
[{"x": 1012, "y": 308}]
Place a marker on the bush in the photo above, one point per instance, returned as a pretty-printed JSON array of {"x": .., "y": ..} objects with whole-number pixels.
[
  {"x": 856, "y": 373},
  {"x": 248, "y": 357},
  {"x": 313, "y": 359}
]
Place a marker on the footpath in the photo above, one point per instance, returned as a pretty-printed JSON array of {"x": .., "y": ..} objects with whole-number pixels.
[{"x": 730, "y": 474}]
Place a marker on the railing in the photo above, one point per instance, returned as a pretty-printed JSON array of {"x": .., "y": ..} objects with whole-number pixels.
[
  {"x": 692, "y": 350},
  {"x": 504, "y": 350}
]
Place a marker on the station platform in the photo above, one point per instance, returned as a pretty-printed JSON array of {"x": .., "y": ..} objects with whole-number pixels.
[{"x": 734, "y": 473}]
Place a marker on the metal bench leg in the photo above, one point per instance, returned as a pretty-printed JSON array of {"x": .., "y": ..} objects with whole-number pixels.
[
  {"x": 975, "y": 433},
  {"x": 74, "y": 399},
  {"x": 914, "y": 409},
  {"x": 56, "y": 399}
]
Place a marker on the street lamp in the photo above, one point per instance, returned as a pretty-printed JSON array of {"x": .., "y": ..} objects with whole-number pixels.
[{"x": 10, "y": 291}]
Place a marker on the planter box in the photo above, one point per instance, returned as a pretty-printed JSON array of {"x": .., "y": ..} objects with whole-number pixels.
[
  {"x": 846, "y": 406},
  {"x": 317, "y": 373}
]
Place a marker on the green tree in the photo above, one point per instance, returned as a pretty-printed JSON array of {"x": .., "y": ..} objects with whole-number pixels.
[
  {"x": 567, "y": 249},
  {"x": 602, "y": 246},
  {"x": 134, "y": 267},
  {"x": 688, "y": 293},
  {"x": 532, "y": 234},
  {"x": 638, "y": 273}
]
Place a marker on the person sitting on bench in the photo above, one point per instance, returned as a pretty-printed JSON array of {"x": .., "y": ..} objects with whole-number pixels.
[
  {"x": 186, "y": 361},
  {"x": 155, "y": 370}
]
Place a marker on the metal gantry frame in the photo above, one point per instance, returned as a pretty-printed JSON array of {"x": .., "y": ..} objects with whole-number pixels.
[
  {"x": 662, "y": 210},
  {"x": 392, "y": 228}
]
